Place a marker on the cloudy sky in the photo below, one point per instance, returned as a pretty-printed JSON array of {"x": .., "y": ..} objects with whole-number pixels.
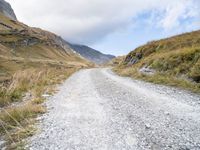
[{"x": 111, "y": 26}]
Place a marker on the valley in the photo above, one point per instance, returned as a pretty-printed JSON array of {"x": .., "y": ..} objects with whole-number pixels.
[{"x": 56, "y": 94}]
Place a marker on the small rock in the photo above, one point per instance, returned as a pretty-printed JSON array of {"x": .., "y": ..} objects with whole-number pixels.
[
  {"x": 166, "y": 113},
  {"x": 130, "y": 129},
  {"x": 180, "y": 129},
  {"x": 169, "y": 146},
  {"x": 147, "y": 126},
  {"x": 124, "y": 93}
]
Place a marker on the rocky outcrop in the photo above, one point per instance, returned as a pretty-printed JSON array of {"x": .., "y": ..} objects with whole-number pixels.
[
  {"x": 147, "y": 70},
  {"x": 7, "y": 10},
  {"x": 5, "y": 26},
  {"x": 92, "y": 54},
  {"x": 32, "y": 36},
  {"x": 64, "y": 44},
  {"x": 133, "y": 58},
  {"x": 21, "y": 43}
]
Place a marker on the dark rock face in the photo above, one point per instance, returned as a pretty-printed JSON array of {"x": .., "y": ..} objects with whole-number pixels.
[
  {"x": 7, "y": 10},
  {"x": 196, "y": 78},
  {"x": 130, "y": 60},
  {"x": 21, "y": 43},
  {"x": 92, "y": 54}
]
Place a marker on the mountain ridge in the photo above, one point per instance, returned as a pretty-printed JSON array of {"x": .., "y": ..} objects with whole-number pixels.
[{"x": 91, "y": 54}]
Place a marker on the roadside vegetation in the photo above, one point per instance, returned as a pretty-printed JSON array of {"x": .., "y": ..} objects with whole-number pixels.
[
  {"x": 21, "y": 100},
  {"x": 174, "y": 61}
]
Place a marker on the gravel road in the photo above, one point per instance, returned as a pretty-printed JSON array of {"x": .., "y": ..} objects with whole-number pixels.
[{"x": 98, "y": 110}]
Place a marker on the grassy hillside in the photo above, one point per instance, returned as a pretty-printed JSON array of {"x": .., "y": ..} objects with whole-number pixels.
[
  {"x": 22, "y": 47},
  {"x": 116, "y": 61},
  {"x": 173, "y": 61},
  {"x": 32, "y": 62}
]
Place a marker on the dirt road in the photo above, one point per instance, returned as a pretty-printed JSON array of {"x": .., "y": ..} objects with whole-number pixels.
[{"x": 96, "y": 109}]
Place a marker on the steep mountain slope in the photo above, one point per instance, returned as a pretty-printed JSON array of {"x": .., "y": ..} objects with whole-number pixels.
[
  {"x": 32, "y": 45},
  {"x": 23, "y": 30},
  {"x": 173, "y": 61},
  {"x": 6, "y": 9},
  {"x": 92, "y": 54}
]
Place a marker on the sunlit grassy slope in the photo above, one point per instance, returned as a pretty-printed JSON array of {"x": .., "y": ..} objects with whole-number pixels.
[
  {"x": 176, "y": 61},
  {"x": 116, "y": 61},
  {"x": 20, "y": 41},
  {"x": 22, "y": 47}
]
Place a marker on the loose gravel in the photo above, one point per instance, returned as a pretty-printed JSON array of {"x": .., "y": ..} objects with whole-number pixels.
[{"x": 96, "y": 109}]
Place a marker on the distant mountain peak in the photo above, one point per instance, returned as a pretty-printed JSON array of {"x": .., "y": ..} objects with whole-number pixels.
[
  {"x": 92, "y": 54},
  {"x": 7, "y": 10}
]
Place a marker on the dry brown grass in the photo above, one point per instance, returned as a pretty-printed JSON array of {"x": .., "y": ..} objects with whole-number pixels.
[
  {"x": 15, "y": 123},
  {"x": 116, "y": 61},
  {"x": 33, "y": 80},
  {"x": 14, "y": 120}
]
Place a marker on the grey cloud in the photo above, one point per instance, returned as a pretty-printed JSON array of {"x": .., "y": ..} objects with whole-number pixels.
[{"x": 84, "y": 21}]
